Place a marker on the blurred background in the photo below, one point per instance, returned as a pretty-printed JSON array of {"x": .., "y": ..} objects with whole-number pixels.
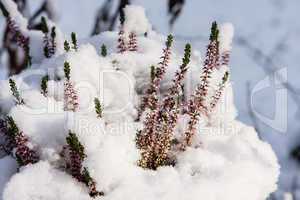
[{"x": 264, "y": 63}]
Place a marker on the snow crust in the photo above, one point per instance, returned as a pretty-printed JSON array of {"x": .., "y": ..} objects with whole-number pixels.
[{"x": 232, "y": 163}]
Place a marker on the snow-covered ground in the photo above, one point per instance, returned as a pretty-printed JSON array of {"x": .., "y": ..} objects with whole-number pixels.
[{"x": 266, "y": 40}]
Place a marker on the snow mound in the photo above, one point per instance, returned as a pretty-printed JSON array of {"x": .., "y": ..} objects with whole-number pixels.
[{"x": 229, "y": 161}]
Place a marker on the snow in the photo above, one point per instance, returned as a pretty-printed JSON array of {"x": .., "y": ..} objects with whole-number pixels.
[
  {"x": 8, "y": 167},
  {"x": 232, "y": 163},
  {"x": 135, "y": 20},
  {"x": 226, "y": 36},
  {"x": 12, "y": 8}
]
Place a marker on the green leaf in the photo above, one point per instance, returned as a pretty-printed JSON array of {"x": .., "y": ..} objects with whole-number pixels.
[
  {"x": 75, "y": 145},
  {"x": 74, "y": 41},
  {"x": 169, "y": 41},
  {"x": 98, "y": 107},
  {"x": 15, "y": 92},
  {"x": 66, "y": 46},
  {"x": 67, "y": 70},
  {"x": 44, "y": 86},
  {"x": 103, "y": 50},
  {"x": 44, "y": 25}
]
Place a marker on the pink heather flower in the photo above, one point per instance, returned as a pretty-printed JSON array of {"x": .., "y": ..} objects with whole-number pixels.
[
  {"x": 70, "y": 97},
  {"x": 132, "y": 44}
]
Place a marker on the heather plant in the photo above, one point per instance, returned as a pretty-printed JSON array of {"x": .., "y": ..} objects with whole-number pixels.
[
  {"x": 74, "y": 41},
  {"x": 16, "y": 143},
  {"x": 117, "y": 152},
  {"x": 132, "y": 44},
  {"x": 103, "y": 50},
  {"x": 49, "y": 40},
  {"x": 74, "y": 155},
  {"x": 157, "y": 73},
  {"x": 155, "y": 140},
  {"x": 20, "y": 39},
  {"x": 197, "y": 104},
  {"x": 15, "y": 92},
  {"x": 70, "y": 94},
  {"x": 98, "y": 107},
  {"x": 66, "y": 46},
  {"x": 44, "y": 86}
]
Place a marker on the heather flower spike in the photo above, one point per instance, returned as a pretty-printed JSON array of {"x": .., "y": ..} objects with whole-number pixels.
[
  {"x": 15, "y": 92},
  {"x": 170, "y": 108},
  {"x": 21, "y": 40},
  {"x": 196, "y": 106},
  {"x": 218, "y": 94},
  {"x": 75, "y": 158},
  {"x": 70, "y": 94},
  {"x": 98, "y": 107},
  {"x": 132, "y": 45},
  {"x": 44, "y": 86},
  {"x": 121, "y": 41},
  {"x": 156, "y": 138},
  {"x": 152, "y": 73},
  {"x": 16, "y": 144},
  {"x": 157, "y": 73},
  {"x": 214, "y": 33},
  {"x": 12, "y": 128},
  {"x": 74, "y": 41},
  {"x": 49, "y": 42}
]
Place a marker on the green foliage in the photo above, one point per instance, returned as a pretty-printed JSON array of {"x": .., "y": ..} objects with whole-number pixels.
[
  {"x": 67, "y": 70},
  {"x": 53, "y": 33},
  {"x": 74, "y": 41},
  {"x": 122, "y": 18},
  {"x": 103, "y": 50},
  {"x": 44, "y": 86},
  {"x": 86, "y": 176},
  {"x": 225, "y": 77},
  {"x": 169, "y": 41},
  {"x": 152, "y": 73},
  {"x": 15, "y": 92},
  {"x": 214, "y": 33},
  {"x": 44, "y": 25},
  {"x": 98, "y": 107},
  {"x": 187, "y": 55},
  {"x": 19, "y": 160},
  {"x": 66, "y": 46},
  {"x": 12, "y": 128},
  {"x": 46, "y": 51},
  {"x": 75, "y": 145}
]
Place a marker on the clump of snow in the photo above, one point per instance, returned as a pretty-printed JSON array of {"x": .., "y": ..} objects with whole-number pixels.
[
  {"x": 8, "y": 167},
  {"x": 12, "y": 8},
  {"x": 135, "y": 20},
  {"x": 226, "y": 36},
  {"x": 231, "y": 162}
]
